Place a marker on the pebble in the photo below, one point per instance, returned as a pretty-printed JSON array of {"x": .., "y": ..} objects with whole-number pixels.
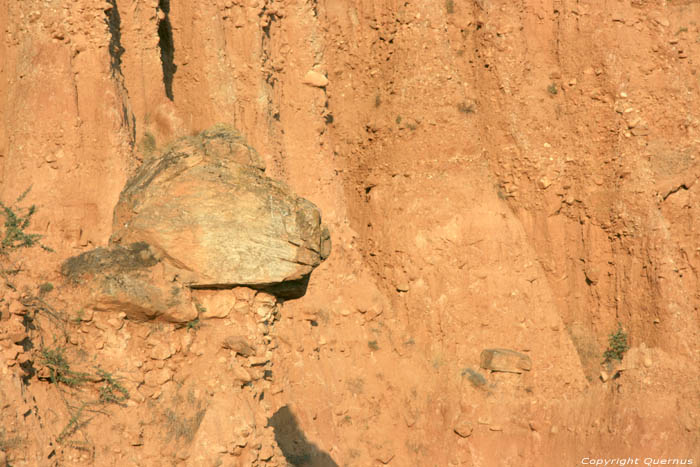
[
  {"x": 314, "y": 78},
  {"x": 463, "y": 428}
]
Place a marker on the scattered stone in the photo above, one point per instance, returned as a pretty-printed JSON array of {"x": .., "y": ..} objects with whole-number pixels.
[
  {"x": 240, "y": 345},
  {"x": 215, "y": 303},
  {"x": 130, "y": 280},
  {"x": 384, "y": 454},
  {"x": 161, "y": 351},
  {"x": 158, "y": 377},
  {"x": 266, "y": 452},
  {"x": 15, "y": 330},
  {"x": 314, "y": 78},
  {"x": 544, "y": 183},
  {"x": 604, "y": 376},
  {"x": 16, "y": 308},
  {"x": 241, "y": 375},
  {"x": 463, "y": 427},
  {"x": 505, "y": 360}
]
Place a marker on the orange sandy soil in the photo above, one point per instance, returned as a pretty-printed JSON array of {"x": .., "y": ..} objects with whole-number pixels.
[{"x": 494, "y": 174}]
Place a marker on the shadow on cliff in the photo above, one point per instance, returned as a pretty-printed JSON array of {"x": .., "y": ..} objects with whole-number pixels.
[{"x": 296, "y": 448}]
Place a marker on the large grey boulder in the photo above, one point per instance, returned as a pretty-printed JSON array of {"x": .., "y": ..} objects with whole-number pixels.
[
  {"x": 202, "y": 214},
  {"x": 207, "y": 206}
]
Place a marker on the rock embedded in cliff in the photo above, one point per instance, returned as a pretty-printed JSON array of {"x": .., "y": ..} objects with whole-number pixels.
[
  {"x": 133, "y": 280},
  {"x": 505, "y": 360},
  {"x": 316, "y": 79},
  {"x": 206, "y": 204}
]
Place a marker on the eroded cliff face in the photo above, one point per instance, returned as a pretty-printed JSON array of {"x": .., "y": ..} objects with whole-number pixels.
[{"x": 493, "y": 174}]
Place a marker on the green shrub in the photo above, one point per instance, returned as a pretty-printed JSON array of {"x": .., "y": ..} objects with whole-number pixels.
[
  {"x": 16, "y": 221},
  {"x": 111, "y": 391},
  {"x": 59, "y": 369},
  {"x": 617, "y": 345}
]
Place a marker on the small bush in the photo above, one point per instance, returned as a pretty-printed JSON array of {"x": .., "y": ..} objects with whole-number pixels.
[
  {"x": 617, "y": 345},
  {"x": 59, "y": 369},
  {"x": 111, "y": 391},
  {"x": 16, "y": 221},
  {"x": 553, "y": 89},
  {"x": 45, "y": 288},
  {"x": 450, "y": 6}
]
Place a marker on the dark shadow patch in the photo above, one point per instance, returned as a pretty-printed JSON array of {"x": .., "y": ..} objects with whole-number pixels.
[
  {"x": 116, "y": 50},
  {"x": 287, "y": 290},
  {"x": 167, "y": 48},
  {"x": 29, "y": 371},
  {"x": 298, "y": 451}
]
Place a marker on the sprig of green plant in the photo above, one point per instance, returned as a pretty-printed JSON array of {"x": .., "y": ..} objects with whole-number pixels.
[
  {"x": 74, "y": 424},
  {"x": 111, "y": 392},
  {"x": 17, "y": 220},
  {"x": 617, "y": 345},
  {"x": 59, "y": 369}
]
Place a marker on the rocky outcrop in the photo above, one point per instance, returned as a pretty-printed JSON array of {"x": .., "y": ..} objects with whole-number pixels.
[
  {"x": 132, "y": 280},
  {"x": 505, "y": 360},
  {"x": 206, "y": 204},
  {"x": 202, "y": 215}
]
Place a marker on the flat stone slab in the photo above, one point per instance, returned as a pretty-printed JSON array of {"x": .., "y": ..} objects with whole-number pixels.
[{"x": 505, "y": 360}]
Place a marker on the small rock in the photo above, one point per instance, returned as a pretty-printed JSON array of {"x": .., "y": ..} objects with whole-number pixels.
[
  {"x": 16, "y": 308},
  {"x": 647, "y": 361},
  {"x": 240, "y": 345},
  {"x": 314, "y": 78},
  {"x": 16, "y": 331},
  {"x": 240, "y": 374},
  {"x": 604, "y": 376},
  {"x": 115, "y": 323},
  {"x": 266, "y": 453},
  {"x": 544, "y": 183},
  {"x": 158, "y": 377},
  {"x": 505, "y": 360},
  {"x": 463, "y": 427},
  {"x": 384, "y": 455},
  {"x": 161, "y": 351}
]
